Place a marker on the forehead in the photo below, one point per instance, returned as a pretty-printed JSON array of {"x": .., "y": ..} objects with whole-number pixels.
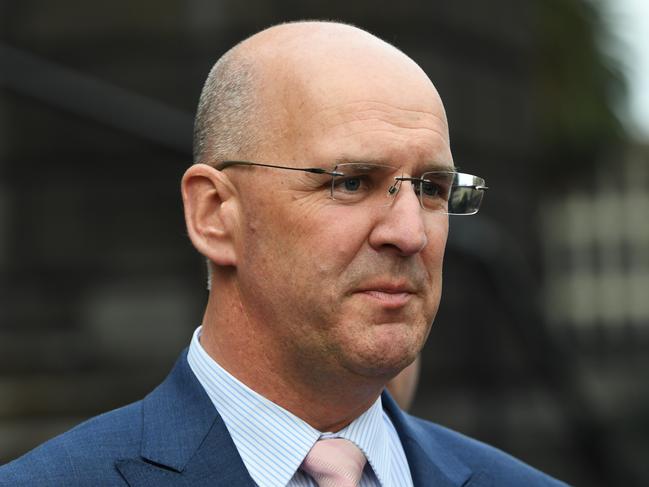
[
  {"x": 362, "y": 96},
  {"x": 390, "y": 131}
]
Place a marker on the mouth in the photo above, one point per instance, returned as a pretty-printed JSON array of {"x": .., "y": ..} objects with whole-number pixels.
[{"x": 388, "y": 295}]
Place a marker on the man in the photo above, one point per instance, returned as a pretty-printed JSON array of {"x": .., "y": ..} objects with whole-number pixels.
[{"x": 320, "y": 198}]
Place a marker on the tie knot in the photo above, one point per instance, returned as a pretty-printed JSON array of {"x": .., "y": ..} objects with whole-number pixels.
[{"x": 335, "y": 462}]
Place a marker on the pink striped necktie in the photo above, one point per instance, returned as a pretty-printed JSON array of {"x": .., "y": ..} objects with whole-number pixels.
[{"x": 335, "y": 462}]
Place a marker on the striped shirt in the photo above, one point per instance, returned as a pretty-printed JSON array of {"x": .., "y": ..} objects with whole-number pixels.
[{"x": 273, "y": 442}]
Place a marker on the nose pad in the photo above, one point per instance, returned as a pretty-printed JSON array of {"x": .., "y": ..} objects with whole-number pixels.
[{"x": 394, "y": 188}]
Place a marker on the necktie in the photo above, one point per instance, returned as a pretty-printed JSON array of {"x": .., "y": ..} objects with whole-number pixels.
[{"x": 335, "y": 462}]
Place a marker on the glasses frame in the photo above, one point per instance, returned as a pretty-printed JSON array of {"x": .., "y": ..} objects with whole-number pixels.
[
  {"x": 314, "y": 170},
  {"x": 392, "y": 190}
]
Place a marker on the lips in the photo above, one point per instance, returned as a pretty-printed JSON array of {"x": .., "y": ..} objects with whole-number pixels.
[
  {"x": 396, "y": 287},
  {"x": 390, "y": 295}
]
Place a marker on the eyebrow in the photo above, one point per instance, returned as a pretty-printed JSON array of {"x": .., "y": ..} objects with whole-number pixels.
[
  {"x": 438, "y": 166},
  {"x": 420, "y": 168},
  {"x": 356, "y": 160}
]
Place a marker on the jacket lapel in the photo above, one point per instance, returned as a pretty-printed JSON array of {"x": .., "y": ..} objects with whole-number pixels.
[
  {"x": 429, "y": 463},
  {"x": 184, "y": 440},
  {"x": 186, "y": 443}
]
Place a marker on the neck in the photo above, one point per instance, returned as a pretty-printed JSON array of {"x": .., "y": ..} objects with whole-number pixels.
[{"x": 326, "y": 398}]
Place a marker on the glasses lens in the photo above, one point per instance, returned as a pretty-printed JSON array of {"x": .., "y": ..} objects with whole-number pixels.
[
  {"x": 434, "y": 189},
  {"x": 452, "y": 193},
  {"x": 363, "y": 184},
  {"x": 377, "y": 185},
  {"x": 465, "y": 201}
]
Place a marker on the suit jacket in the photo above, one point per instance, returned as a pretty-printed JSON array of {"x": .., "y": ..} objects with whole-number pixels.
[{"x": 175, "y": 437}]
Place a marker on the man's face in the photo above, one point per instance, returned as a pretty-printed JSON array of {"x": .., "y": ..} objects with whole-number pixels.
[{"x": 338, "y": 286}]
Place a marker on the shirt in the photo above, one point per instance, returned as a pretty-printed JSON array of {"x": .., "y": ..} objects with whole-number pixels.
[{"x": 273, "y": 442}]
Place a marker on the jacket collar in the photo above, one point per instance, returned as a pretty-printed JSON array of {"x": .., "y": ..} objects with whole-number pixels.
[
  {"x": 430, "y": 463},
  {"x": 184, "y": 440}
]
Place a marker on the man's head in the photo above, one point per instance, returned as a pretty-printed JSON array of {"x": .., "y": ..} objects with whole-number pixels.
[{"x": 312, "y": 287}]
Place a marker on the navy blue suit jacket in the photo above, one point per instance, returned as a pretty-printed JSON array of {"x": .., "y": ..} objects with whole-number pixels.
[{"x": 175, "y": 437}]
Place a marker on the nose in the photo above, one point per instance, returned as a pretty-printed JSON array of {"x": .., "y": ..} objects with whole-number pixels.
[{"x": 401, "y": 226}]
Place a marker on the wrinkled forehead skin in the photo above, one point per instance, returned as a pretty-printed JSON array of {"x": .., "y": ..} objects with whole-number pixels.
[{"x": 313, "y": 75}]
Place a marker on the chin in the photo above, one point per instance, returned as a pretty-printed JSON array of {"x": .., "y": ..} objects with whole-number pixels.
[
  {"x": 385, "y": 361},
  {"x": 381, "y": 349}
]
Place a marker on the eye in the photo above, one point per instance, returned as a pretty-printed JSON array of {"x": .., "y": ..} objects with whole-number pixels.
[
  {"x": 357, "y": 182},
  {"x": 435, "y": 185},
  {"x": 352, "y": 184},
  {"x": 429, "y": 188}
]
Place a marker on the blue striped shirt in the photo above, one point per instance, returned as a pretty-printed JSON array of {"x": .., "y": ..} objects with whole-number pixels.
[{"x": 273, "y": 442}]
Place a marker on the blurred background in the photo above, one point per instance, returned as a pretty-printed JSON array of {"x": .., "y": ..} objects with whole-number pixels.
[{"x": 540, "y": 346}]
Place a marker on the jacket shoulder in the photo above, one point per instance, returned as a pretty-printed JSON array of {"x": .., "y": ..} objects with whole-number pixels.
[
  {"x": 490, "y": 465},
  {"x": 85, "y": 455}
]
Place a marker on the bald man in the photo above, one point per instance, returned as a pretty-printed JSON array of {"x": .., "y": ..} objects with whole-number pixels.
[{"x": 320, "y": 194}]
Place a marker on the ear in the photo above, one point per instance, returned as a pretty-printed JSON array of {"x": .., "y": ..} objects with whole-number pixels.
[{"x": 211, "y": 213}]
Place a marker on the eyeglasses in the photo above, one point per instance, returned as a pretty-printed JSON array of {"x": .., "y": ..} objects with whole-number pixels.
[{"x": 375, "y": 185}]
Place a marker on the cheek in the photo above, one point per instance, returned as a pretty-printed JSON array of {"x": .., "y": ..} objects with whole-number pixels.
[
  {"x": 437, "y": 237},
  {"x": 324, "y": 233},
  {"x": 295, "y": 246},
  {"x": 336, "y": 242},
  {"x": 433, "y": 260}
]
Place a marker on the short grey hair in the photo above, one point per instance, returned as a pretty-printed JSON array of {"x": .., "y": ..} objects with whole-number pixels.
[{"x": 224, "y": 127}]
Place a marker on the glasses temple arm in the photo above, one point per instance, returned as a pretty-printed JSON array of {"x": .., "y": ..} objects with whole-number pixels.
[{"x": 315, "y": 170}]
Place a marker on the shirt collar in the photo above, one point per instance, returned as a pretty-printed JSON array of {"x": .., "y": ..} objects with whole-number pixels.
[
  {"x": 369, "y": 433},
  {"x": 271, "y": 441}
]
